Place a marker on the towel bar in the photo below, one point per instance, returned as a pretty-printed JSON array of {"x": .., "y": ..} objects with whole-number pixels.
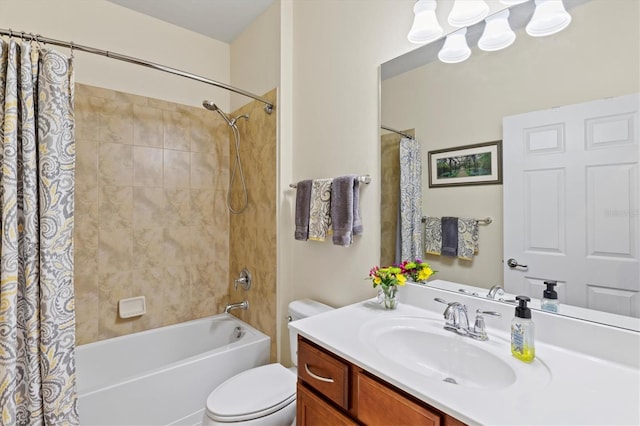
[
  {"x": 486, "y": 221},
  {"x": 361, "y": 179}
]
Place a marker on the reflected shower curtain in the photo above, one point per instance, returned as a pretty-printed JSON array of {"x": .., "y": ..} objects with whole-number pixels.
[
  {"x": 37, "y": 159},
  {"x": 410, "y": 200}
]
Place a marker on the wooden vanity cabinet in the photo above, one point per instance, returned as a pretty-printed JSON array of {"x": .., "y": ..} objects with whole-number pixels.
[{"x": 332, "y": 391}]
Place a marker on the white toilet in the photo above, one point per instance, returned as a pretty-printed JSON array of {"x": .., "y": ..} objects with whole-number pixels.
[{"x": 264, "y": 395}]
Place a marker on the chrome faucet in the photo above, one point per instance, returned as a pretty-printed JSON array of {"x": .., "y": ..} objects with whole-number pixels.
[
  {"x": 240, "y": 305},
  {"x": 455, "y": 316},
  {"x": 457, "y": 320},
  {"x": 494, "y": 291}
]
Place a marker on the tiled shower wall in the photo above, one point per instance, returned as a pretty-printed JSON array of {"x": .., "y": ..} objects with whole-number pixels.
[
  {"x": 150, "y": 214},
  {"x": 252, "y": 241}
]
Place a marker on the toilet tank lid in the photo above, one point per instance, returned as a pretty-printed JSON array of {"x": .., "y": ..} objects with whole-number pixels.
[{"x": 304, "y": 308}]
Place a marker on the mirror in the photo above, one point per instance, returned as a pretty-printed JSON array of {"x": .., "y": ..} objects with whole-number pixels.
[{"x": 454, "y": 105}]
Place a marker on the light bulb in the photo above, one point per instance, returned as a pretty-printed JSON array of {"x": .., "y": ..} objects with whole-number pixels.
[
  {"x": 425, "y": 26},
  {"x": 549, "y": 18},
  {"x": 455, "y": 48},
  {"x": 497, "y": 32},
  {"x": 467, "y": 12}
]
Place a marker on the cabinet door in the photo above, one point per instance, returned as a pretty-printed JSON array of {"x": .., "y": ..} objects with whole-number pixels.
[
  {"x": 381, "y": 405},
  {"x": 311, "y": 411}
]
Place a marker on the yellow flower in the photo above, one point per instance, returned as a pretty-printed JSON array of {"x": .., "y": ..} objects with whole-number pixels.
[
  {"x": 377, "y": 280},
  {"x": 424, "y": 274},
  {"x": 401, "y": 279}
]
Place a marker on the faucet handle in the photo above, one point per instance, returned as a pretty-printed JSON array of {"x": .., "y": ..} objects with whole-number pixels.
[{"x": 479, "y": 329}]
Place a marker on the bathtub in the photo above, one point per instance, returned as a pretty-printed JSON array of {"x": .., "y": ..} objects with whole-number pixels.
[{"x": 163, "y": 376}]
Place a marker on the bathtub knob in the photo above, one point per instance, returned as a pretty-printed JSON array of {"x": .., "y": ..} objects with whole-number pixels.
[{"x": 244, "y": 280}]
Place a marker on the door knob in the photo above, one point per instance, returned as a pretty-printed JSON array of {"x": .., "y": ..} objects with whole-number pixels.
[{"x": 512, "y": 263}]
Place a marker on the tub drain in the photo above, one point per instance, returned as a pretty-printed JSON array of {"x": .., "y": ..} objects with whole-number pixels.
[{"x": 450, "y": 380}]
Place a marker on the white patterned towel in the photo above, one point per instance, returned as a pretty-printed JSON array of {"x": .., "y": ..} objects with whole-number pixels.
[
  {"x": 468, "y": 236},
  {"x": 320, "y": 209}
]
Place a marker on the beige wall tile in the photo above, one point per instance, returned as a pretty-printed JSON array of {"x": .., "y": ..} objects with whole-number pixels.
[
  {"x": 115, "y": 207},
  {"x": 177, "y": 169},
  {"x": 148, "y": 127},
  {"x": 203, "y": 170},
  {"x": 177, "y": 207},
  {"x": 147, "y": 166},
  {"x": 176, "y": 245},
  {"x": 147, "y": 282},
  {"x": 115, "y": 164},
  {"x": 86, "y": 304},
  {"x": 177, "y": 134},
  {"x": 115, "y": 122},
  {"x": 113, "y": 286},
  {"x": 115, "y": 249},
  {"x": 176, "y": 294},
  {"x": 202, "y": 205},
  {"x": 148, "y": 248},
  {"x": 148, "y": 207}
]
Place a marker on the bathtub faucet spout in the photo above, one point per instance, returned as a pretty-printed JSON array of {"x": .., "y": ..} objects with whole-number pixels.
[{"x": 241, "y": 305}]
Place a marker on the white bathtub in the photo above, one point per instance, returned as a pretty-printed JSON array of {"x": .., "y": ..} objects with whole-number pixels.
[{"x": 163, "y": 376}]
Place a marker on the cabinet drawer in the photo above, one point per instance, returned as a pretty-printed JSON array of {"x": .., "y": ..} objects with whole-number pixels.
[
  {"x": 324, "y": 372},
  {"x": 313, "y": 411},
  {"x": 379, "y": 404}
]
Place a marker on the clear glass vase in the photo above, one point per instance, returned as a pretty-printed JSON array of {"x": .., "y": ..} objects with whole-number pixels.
[{"x": 388, "y": 296}]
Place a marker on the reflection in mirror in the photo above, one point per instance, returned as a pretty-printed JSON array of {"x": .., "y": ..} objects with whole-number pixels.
[{"x": 453, "y": 105}]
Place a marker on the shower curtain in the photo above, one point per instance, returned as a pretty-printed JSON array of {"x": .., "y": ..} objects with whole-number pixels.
[
  {"x": 37, "y": 160},
  {"x": 410, "y": 200}
]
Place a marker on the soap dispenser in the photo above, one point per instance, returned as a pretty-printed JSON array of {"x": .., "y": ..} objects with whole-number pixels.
[
  {"x": 550, "y": 297},
  {"x": 522, "y": 332}
]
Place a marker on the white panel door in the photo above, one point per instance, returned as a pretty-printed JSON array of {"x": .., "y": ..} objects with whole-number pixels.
[{"x": 571, "y": 195}]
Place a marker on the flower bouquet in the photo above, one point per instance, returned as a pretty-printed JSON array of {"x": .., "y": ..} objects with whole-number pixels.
[
  {"x": 416, "y": 270},
  {"x": 388, "y": 279}
]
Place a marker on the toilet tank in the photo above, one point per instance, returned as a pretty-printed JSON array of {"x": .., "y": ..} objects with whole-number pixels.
[{"x": 299, "y": 309}]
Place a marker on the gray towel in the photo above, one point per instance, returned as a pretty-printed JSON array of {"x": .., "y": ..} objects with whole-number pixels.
[
  {"x": 303, "y": 201},
  {"x": 342, "y": 209},
  {"x": 449, "y": 236},
  {"x": 357, "y": 222}
]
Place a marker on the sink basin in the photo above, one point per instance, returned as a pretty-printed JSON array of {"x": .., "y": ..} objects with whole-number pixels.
[{"x": 424, "y": 347}]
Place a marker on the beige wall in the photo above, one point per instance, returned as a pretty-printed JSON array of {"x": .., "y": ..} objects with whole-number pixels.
[
  {"x": 461, "y": 104},
  {"x": 107, "y": 26},
  {"x": 255, "y": 56},
  {"x": 330, "y": 83}
]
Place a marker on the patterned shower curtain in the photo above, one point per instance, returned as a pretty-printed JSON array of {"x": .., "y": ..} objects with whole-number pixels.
[
  {"x": 37, "y": 160},
  {"x": 410, "y": 200}
]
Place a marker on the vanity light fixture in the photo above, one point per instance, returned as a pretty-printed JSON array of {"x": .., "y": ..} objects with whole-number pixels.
[
  {"x": 467, "y": 12},
  {"x": 513, "y": 2},
  {"x": 549, "y": 18},
  {"x": 455, "y": 48},
  {"x": 497, "y": 32},
  {"x": 425, "y": 26}
]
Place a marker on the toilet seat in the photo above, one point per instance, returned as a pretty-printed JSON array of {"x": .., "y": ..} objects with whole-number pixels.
[{"x": 252, "y": 394}]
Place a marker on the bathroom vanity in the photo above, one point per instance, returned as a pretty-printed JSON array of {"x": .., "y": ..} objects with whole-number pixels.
[
  {"x": 332, "y": 390},
  {"x": 362, "y": 364}
]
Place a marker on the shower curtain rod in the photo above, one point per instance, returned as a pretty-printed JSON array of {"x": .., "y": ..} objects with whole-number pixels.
[
  {"x": 397, "y": 131},
  {"x": 268, "y": 107}
]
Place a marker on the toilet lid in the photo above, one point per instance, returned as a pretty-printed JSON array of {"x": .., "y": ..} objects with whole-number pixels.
[{"x": 252, "y": 394}]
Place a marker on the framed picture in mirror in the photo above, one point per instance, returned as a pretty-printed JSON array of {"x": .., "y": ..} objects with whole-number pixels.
[{"x": 478, "y": 164}]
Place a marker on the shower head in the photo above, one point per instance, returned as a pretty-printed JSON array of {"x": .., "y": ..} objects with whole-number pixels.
[{"x": 213, "y": 107}]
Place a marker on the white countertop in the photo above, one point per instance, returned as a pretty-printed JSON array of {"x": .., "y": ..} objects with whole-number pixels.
[{"x": 582, "y": 390}]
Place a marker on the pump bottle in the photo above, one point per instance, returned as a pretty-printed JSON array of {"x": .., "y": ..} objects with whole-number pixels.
[
  {"x": 549, "y": 297},
  {"x": 522, "y": 332}
]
